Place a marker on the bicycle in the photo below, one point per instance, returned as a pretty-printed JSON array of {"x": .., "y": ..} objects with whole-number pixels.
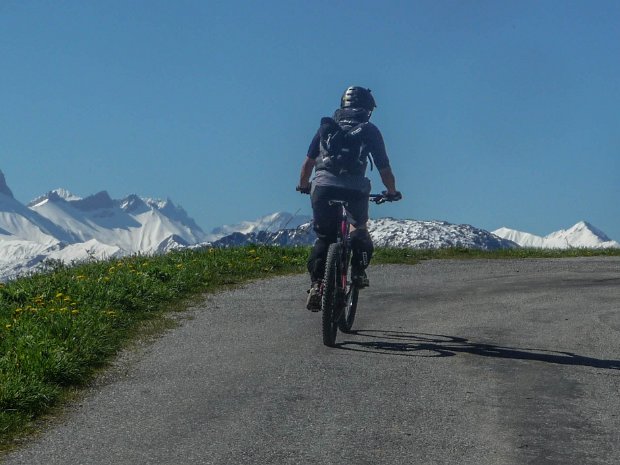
[{"x": 339, "y": 293}]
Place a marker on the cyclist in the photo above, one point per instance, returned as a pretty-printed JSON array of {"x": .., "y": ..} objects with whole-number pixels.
[{"x": 349, "y": 183}]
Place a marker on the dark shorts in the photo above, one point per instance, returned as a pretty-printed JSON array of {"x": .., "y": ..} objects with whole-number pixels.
[{"x": 327, "y": 218}]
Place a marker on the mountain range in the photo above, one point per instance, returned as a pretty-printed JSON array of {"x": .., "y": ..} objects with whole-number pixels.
[
  {"x": 385, "y": 232},
  {"x": 583, "y": 234},
  {"x": 62, "y": 226}
]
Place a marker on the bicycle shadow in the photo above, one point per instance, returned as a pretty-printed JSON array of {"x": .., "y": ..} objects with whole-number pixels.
[{"x": 438, "y": 345}]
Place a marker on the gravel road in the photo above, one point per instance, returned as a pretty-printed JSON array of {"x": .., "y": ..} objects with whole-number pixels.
[{"x": 454, "y": 362}]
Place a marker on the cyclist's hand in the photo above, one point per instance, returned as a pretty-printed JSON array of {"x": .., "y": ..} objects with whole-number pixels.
[
  {"x": 392, "y": 197},
  {"x": 304, "y": 189}
]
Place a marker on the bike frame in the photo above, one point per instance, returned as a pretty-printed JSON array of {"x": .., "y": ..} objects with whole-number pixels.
[
  {"x": 344, "y": 233},
  {"x": 344, "y": 238}
]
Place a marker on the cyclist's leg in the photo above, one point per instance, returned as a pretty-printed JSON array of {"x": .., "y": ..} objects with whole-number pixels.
[
  {"x": 362, "y": 246},
  {"x": 316, "y": 260},
  {"x": 361, "y": 242},
  {"x": 325, "y": 225}
]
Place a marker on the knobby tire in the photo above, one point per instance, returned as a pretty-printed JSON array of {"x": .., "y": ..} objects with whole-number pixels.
[
  {"x": 346, "y": 322},
  {"x": 330, "y": 298}
]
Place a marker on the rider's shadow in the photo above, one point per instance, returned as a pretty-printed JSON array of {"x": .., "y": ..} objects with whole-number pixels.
[{"x": 437, "y": 345}]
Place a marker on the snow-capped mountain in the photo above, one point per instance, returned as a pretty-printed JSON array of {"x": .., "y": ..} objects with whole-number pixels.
[
  {"x": 60, "y": 225},
  {"x": 133, "y": 224},
  {"x": 17, "y": 222},
  {"x": 302, "y": 235},
  {"x": 583, "y": 234},
  {"x": 416, "y": 234},
  {"x": 270, "y": 223},
  {"x": 4, "y": 188},
  {"x": 389, "y": 232}
]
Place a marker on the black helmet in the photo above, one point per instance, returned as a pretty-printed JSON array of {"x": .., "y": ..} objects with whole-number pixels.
[{"x": 358, "y": 97}]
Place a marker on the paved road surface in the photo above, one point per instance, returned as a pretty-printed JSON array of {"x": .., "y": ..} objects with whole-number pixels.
[{"x": 455, "y": 362}]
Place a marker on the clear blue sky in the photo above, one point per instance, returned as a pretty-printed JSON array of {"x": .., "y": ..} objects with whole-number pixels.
[{"x": 495, "y": 113}]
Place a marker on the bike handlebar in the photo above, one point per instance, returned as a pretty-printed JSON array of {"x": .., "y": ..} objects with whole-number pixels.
[
  {"x": 385, "y": 197},
  {"x": 376, "y": 198}
]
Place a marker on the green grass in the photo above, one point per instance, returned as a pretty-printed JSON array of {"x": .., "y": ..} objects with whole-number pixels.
[{"x": 58, "y": 327}]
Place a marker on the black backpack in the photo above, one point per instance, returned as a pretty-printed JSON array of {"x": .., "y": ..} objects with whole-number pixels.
[{"x": 341, "y": 147}]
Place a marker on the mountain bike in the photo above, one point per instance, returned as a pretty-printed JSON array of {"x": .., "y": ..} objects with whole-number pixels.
[{"x": 339, "y": 293}]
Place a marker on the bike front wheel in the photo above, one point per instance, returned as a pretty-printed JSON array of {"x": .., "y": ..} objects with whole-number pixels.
[{"x": 330, "y": 304}]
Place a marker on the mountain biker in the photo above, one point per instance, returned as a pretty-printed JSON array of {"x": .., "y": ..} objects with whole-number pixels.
[{"x": 349, "y": 184}]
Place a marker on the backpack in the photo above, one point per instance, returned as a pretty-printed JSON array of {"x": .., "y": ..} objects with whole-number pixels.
[{"x": 341, "y": 147}]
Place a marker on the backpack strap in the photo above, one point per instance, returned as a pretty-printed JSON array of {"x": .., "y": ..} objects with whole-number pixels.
[
  {"x": 328, "y": 125},
  {"x": 372, "y": 165},
  {"x": 355, "y": 131}
]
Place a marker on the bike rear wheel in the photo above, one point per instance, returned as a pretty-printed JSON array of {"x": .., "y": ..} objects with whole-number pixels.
[
  {"x": 330, "y": 302},
  {"x": 348, "y": 316}
]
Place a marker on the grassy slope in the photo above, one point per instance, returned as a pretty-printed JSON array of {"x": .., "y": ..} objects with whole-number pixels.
[{"x": 58, "y": 327}]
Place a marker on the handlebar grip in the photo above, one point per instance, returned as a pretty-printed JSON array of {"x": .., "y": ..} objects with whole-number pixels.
[
  {"x": 393, "y": 197},
  {"x": 384, "y": 197}
]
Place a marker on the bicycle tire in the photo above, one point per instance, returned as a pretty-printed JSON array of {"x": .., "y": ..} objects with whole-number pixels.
[
  {"x": 348, "y": 316},
  {"x": 329, "y": 300}
]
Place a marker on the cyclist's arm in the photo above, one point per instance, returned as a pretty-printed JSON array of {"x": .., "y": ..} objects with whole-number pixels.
[
  {"x": 387, "y": 177},
  {"x": 306, "y": 171},
  {"x": 380, "y": 158},
  {"x": 308, "y": 166}
]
